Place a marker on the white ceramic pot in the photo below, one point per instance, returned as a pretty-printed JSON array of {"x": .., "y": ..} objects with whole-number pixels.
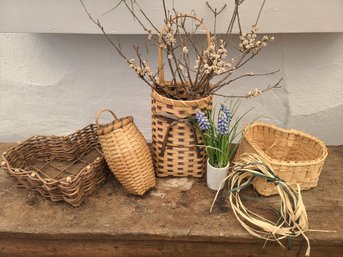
[{"x": 215, "y": 176}]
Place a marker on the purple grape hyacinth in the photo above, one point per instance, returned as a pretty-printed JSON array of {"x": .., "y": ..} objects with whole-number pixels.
[
  {"x": 223, "y": 124},
  {"x": 226, "y": 111},
  {"x": 204, "y": 123}
]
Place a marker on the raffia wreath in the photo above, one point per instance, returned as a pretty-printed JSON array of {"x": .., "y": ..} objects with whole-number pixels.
[{"x": 293, "y": 220}]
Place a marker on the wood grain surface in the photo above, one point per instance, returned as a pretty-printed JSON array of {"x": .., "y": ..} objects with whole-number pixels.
[{"x": 171, "y": 220}]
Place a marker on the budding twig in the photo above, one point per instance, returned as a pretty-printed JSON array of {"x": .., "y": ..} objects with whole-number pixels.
[
  {"x": 211, "y": 63},
  {"x": 259, "y": 13},
  {"x": 269, "y": 87}
]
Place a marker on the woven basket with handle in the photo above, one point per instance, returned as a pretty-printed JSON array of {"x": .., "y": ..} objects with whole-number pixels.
[
  {"x": 295, "y": 157},
  {"x": 175, "y": 142},
  {"x": 126, "y": 153}
]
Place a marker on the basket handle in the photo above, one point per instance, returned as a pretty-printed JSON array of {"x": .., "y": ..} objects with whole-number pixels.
[
  {"x": 160, "y": 48},
  {"x": 101, "y": 111}
]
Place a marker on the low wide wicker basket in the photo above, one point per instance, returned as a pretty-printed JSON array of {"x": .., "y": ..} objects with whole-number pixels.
[
  {"x": 127, "y": 153},
  {"x": 65, "y": 168},
  {"x": 296, "y": 157}
]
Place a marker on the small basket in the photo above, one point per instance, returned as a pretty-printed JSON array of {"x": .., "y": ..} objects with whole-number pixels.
[
  {"x": 66, "y": 168},
  {"x": 127, "y": 153},
  {"x": 295, "y": 157}
]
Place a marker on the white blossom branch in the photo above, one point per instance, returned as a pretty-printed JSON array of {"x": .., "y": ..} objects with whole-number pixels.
[{"x": 253, "y": 93}]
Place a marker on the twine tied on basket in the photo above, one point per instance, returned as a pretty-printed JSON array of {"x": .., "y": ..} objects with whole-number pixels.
[
  {"x": 174, "y": 120},
  {"x": 292, "y": 221}
]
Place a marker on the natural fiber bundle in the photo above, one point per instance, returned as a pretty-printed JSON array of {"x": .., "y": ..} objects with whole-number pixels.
[{"x": 293, "y": 220}]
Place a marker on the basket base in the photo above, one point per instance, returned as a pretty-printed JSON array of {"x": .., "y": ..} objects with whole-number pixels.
[{"x": 164, "y": 175}]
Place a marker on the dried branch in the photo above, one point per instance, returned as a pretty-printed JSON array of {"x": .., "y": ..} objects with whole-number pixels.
[
  {"x": 186, "y": 64},
  {"x": 97, "y": 22},
  {"x": 176, "y": 61},
  {"x": 215, "y": 14},
  {"x": 210, "y": 57},
  {"x": 238, "y": 65},
  {"x": 165, "y": 10},
  {"x": 136, "y": 17},
  {"x": 269, "y": 87},
  {"x": 115, "y": 7},
  {"x": 259, "y": 13},
  {"x": 147, "y": 18},
  {"x": 249, "y": 74},
  {"x": 239, "y": 23},
  {"x": 231, "y": 24}
]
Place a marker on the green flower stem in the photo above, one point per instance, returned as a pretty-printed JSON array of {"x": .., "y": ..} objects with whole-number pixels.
[{"x": 219, "y": 147}]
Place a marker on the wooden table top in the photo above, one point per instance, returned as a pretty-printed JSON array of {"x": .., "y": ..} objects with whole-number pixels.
[{"x": 178, "y": 209}]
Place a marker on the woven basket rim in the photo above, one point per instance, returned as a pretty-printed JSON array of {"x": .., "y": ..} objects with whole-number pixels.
[
  {"x": 174, "y": 102},
  {"x": 289, "y": 131},
  {"x": 27, "y": 173},
  {"x": 104, "y": 129}
]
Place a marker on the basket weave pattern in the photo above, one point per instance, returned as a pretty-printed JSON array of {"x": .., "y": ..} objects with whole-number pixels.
[
  {"x": 296, "y": 157},
  {"x": 60, "y": 168},
  {"x": 127, "y": 154},
  {"x": 180, "y": 156}
]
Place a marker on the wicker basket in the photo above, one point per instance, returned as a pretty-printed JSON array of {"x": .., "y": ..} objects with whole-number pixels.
[
  {"x": 127, "y": 153},
  {"x": 296, "y": 157},
  {"x": 174, "y": 139},
  {"x": 175, "y": 143},
  {"x": 66, "y": 168}
]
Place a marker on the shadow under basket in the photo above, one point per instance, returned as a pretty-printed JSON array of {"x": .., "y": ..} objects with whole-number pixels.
[
  {"x": 295, "y": 157},
  {"x": 65, "y": 168}
]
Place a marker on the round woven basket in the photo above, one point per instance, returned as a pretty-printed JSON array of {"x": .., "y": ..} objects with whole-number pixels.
[
  {"x": 126, "y": 153},
  {"x": 296, "y": 157},
  {"x": 175, "y": 141}
]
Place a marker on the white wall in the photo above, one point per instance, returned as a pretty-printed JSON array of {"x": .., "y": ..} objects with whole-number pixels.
[
  {"x": 68, "y": 16},
  {"x": 55, "y": 84}
]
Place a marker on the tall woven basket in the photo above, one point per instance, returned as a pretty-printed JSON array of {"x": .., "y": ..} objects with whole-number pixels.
[
  {"x": 175, "y": 142},
  {"x": 295, "y": 157},
  {"x": 126, "y": 153}
]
